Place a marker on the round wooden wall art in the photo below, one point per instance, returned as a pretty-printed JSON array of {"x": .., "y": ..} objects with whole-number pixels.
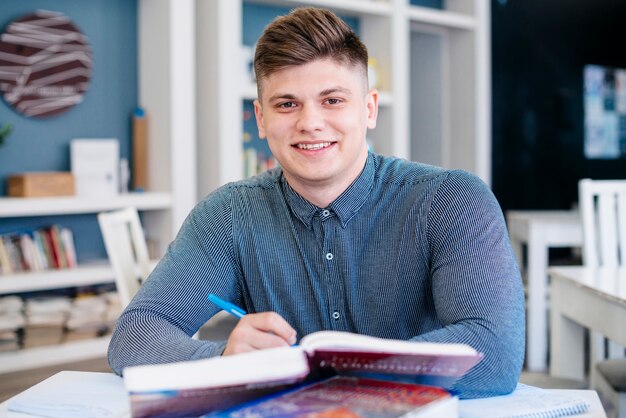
[{"x": 45, "y": 64}]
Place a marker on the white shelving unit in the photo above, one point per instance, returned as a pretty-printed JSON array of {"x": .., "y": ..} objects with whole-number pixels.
[
  {"x": 450, "y": 83},
  {"x": 69, "y": 205},
  {"x": 55, "y": 354},
  {"x": 433, "y": 71},
  {"x": 166, "y": 91},
  {"x": 82, "y": 275}
]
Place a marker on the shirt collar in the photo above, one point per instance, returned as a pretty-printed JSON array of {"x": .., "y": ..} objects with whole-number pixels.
[{"x": 345, "y": 206}]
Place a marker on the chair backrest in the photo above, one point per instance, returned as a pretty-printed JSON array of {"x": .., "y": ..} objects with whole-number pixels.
[
  {"x": 127, "y": 250},
  {"x": 603, "y": 211}
]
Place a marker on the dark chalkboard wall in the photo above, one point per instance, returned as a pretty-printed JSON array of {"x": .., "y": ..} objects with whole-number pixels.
[{"x": 539, "y": 49}]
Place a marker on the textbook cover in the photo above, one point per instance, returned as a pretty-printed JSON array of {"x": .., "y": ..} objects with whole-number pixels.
[
  {"x": 342, "y": 396},
  {"x": 193, "y": 388}
]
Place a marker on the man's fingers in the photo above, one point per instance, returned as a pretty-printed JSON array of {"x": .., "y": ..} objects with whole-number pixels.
[
  {"x": 260, "y": 331},
  {"x": 275, "y": 324}
]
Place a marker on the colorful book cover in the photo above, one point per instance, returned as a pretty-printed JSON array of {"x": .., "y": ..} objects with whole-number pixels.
[
  {"x": 348, "y": 397},
  {"x": 67, "y": 239},
  {"x": 195, "y": 402},
  {"x": 41, "y": 237},
  {"x": 55, "y": 234},
  {"x": 52, "y": 248}
]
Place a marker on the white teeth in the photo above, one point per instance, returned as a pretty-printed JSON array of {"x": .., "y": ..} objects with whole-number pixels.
[{"x": 313, "y": 146}]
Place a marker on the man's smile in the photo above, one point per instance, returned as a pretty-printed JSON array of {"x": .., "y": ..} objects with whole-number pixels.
[{"x": 315, "y": 146}]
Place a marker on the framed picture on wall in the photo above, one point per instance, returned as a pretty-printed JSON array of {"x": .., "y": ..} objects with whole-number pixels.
[{"x": 605, "y": 112}]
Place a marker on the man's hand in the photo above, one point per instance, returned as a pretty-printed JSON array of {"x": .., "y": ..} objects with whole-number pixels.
[{"x": 259, "y": 331}]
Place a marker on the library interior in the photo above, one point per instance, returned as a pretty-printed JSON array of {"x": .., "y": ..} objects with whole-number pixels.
[{"x": 119, "y": 117}]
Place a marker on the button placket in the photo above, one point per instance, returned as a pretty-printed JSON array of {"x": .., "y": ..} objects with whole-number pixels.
[{"x": 333, "y": 280}]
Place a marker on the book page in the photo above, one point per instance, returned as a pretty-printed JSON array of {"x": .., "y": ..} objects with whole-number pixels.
[
  {"x": 336, "y": 339},
  {"x": 345, "y": 352},
  {"x": 262, "y": 366}
]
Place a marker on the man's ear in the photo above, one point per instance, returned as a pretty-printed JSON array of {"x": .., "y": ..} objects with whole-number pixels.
[
  {"x": 372, "y": 108},
  {"x": 258, "y": 113}
]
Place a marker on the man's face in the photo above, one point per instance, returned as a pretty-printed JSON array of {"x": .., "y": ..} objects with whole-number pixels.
[{"x": 315, "y": 117}]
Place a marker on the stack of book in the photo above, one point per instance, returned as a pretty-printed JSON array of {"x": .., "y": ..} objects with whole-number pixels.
[
  {"x": 11, "y": 322},
  {"x": 86, "y": 318},
  {"x": 45, "y": 320},
  {"x": 43, "y": 249},
  {"x": 329, "y": 374}
]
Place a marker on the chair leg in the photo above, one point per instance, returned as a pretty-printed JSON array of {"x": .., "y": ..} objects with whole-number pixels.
[
  {"x": 621, "y": 405},
  {"x": 614, "y": 403}
]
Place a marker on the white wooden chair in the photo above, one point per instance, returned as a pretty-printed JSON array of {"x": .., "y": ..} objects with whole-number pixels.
[
  {"x": 128, "y": 253},
  {"x": 127, "y": 250},
  {"x": 603, "y": 211}
]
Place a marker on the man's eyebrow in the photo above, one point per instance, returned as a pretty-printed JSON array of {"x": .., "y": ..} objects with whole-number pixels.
[
  {"x": 282, "y": 96},
  {"x": 333, "y": 90}
]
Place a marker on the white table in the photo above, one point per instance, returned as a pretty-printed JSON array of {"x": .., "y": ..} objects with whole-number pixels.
[
  {"x": 540, "y": 231},
  {"x": 110, "y": 390},
  {"x": 584, "y": 297}
]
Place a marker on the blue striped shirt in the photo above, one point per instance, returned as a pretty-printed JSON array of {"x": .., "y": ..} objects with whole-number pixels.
[{"x": 408, "y": 251}]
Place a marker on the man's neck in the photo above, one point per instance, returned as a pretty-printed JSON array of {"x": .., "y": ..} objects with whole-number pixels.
[
  {"x": 320, "y": 197},
  {"x": 323, "y": 194}
]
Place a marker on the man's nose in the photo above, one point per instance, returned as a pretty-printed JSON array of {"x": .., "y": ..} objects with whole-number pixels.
[{"x": 311, "y": 118}]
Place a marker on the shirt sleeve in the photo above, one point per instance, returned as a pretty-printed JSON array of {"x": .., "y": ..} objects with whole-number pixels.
[
  {"x": 157, "y": 325},
  {"x": 476, "y": 284}
]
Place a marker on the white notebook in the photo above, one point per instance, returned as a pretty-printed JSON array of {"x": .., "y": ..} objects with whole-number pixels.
[
  {"x": 75, "y": 395},
  {"x": 525, "y": 402}
]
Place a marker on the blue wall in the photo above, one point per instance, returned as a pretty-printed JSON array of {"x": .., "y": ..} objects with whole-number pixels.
[{"x": 43, "y": 144}]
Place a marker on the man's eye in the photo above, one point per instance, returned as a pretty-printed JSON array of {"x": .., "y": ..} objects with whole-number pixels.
[
  {"x": 287, "y": 105},
  {"x": 333, "y": 101}
]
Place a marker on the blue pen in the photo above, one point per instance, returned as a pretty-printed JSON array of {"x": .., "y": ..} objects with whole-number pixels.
[{"x": 227, "y": 306}]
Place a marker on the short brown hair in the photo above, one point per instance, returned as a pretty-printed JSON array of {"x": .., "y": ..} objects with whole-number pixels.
[{"x": 304, "y": 35}]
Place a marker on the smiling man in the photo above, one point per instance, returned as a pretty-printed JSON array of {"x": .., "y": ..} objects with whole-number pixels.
[
  {"x": 336, "y": 238},
  {"x": 315, "y": 116}
]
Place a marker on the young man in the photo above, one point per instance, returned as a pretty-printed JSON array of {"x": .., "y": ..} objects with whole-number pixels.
[{"x": 337, "y": 238}]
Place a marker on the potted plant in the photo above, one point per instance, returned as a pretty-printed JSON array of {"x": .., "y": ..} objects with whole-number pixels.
[{"x": 5, "y": 131}]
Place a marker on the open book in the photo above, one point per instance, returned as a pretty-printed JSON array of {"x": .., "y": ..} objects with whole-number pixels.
[{"x": 202, "y": 386}]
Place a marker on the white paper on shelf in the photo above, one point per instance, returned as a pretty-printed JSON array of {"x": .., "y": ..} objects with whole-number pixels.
[{"x": 95, "y": 166}]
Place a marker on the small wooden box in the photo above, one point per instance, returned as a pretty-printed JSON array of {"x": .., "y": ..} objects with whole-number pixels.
[{"x": 40, "y": 184}]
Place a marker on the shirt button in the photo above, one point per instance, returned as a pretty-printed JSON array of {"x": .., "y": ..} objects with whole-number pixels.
[
  {"x": 329, "y": 256},
  {"x": 336, "y": 315},
  {"x": 325, "y": 212}
]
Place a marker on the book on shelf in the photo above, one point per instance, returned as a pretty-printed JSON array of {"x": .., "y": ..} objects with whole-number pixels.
[
  {"x": 215, "y": 384},
  {"x": 54, "y": 245},
  {"x": 20, "y": 262},
  {"x": 42, "y": 249},
  {"x": 347, "y": 396},
  {"x": 5, "y": 261}
]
